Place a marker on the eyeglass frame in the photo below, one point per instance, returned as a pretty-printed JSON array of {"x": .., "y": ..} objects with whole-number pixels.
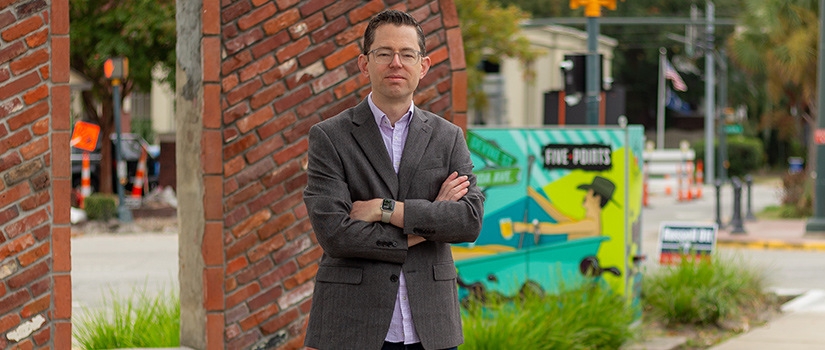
[{"x": 419, "y": 56}]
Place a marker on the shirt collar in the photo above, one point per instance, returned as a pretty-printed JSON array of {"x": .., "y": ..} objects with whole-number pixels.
[{"x": 381, "y": 117}]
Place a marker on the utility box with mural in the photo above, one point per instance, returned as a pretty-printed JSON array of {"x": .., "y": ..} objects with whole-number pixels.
[{"x": 561, "y": 203}]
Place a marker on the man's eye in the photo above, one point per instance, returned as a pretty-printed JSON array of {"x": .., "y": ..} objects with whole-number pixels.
[
  {"x": 382, "y": 54},
  {"x": 409, "y": 55}
]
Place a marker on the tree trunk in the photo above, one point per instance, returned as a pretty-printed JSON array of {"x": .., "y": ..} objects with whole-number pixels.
[{"x": 107, "y": 127}]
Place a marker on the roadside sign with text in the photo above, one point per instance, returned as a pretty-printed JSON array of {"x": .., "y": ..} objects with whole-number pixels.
[
  {"x": 85, "y": 135},
  {"x": 734, "y": 129},
  {"x": 677, "y": 240}
]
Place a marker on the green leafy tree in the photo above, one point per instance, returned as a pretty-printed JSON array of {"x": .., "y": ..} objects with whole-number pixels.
[
  {"x": 777, "y": 45},
  {"x": 143, "y": 31},
  {"x": 490, "y": 32}
]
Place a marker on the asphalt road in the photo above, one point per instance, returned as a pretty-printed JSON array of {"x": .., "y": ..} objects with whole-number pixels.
[{"x": 122, "y": 263}]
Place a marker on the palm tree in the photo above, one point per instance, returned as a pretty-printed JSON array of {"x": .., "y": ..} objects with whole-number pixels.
[{"x": 776, "y": 42}]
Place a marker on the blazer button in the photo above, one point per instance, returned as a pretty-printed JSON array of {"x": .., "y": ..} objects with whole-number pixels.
[
  {"x": 393, "y": 278},
  {"x": 394, "y": 244}
]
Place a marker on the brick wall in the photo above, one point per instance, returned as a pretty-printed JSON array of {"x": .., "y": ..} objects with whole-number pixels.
[
  {"x": 35, "y": 287},
  {"x": 271, "y": 70}
]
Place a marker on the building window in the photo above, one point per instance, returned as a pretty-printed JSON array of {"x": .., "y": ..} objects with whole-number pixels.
[{"x": 493, "y": 87}]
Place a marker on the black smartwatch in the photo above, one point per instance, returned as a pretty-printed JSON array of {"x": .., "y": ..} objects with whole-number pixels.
[{"x": 387, "y": 207}]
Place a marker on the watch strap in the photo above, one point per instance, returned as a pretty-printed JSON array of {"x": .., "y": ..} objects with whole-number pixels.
[{"x": 385, "y": 216}]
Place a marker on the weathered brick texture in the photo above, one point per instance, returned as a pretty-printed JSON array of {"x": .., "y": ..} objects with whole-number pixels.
[
  {"x": 284, "y": 66},
  {"x": 34, "y": 205}
]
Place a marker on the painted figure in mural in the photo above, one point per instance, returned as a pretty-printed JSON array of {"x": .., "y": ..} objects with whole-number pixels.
[
  {"x": 599, "y": 193},
  {"x": 389, "y": 187}
]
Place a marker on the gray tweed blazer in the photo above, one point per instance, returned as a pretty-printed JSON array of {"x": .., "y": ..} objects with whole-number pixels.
[{"x": 357, "y": 279}]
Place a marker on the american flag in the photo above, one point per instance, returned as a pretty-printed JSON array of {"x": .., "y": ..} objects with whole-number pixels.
[{"x": 673, "y": 75}]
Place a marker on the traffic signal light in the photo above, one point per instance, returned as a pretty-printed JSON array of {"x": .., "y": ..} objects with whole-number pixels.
[
  {"x": 574, "y": 73},
  {"x": 116, "y": 68},
  {"x": 572, "y": 69}
]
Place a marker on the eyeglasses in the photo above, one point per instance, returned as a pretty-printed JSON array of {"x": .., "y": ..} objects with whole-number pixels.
[{"x": 385, "y": 56}]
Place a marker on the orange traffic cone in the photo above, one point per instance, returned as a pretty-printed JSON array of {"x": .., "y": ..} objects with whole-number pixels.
[
  {"x": 689, "y": 176},
  {"x": 85, "y": 181},
  {"x": 140, "y": 176},
  {"x": 668, "y": 188},
  {"x": 680, "y": 193},
  {"x": 700, "y": 177}
]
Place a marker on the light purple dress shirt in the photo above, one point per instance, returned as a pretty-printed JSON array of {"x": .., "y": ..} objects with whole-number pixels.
[{"x": 402, "y": 329}]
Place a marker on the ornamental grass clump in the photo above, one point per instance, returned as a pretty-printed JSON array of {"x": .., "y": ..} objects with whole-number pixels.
[
  {"x": 139, "y": 321},
  {"x": 585, "y": 316},
  {"x": 703, "y": 291}
]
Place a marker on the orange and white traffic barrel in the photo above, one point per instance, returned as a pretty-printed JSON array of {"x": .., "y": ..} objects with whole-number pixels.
[{"x": 85, "y": 180}]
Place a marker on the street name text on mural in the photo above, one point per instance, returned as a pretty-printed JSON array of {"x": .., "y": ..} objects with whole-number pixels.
[{"x": 593, "y": 157}]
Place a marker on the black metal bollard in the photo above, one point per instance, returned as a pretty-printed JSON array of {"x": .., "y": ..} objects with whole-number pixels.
[
  {"x": 749, "y": 214},
  {"x": 736, "y": 222},
  {"x": 718, "y": 184}
]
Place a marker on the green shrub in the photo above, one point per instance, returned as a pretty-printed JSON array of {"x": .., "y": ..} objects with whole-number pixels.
[
  {"x": 141, "y": 321},
  {"x": 101, "y": 206},
  {"x": 587, "y": 316},
  {"x": 702, "y": 292},
  {"x": 745, "y": 154}
]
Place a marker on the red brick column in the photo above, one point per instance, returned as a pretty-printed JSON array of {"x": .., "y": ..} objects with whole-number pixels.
[
  {"x": 35, "y": 292},
  {"x": 271, "y": 70}
]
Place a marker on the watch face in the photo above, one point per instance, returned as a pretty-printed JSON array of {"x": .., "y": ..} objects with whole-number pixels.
[{"x": 388, "y": 205}]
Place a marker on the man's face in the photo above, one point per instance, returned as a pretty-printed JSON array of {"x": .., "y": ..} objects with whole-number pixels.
[
  {"x": 592, "y": 200},
  {"x": 394, "y": 82}
]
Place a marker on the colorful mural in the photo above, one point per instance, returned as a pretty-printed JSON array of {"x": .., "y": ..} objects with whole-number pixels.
[{"x": 559, "y": 201}]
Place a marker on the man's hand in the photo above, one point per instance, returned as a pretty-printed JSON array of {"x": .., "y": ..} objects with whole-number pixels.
[
  {"x": 413, "y": 240},
  {"x": 369, "y": 211},
  {"x": 453, "y": 188}
]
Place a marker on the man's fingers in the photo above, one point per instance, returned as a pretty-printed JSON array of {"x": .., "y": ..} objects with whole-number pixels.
[
  {"x": 459, "y": 194},
  {"x": 453, "y": 188}
]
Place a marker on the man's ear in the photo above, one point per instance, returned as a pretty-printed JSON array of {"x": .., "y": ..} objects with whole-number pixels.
[
  {"x": 362, "y": 64},
  {"x": 425, "y": 66}
]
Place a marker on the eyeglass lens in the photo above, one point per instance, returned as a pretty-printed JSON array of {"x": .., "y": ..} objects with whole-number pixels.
[{"x": 385, "y": 56}]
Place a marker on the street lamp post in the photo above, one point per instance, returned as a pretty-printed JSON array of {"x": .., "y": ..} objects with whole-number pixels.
[
  {"x": 593, "y": 10},
  {"x": 116, "y": 69},
  {"x": 817, "y": 222}
]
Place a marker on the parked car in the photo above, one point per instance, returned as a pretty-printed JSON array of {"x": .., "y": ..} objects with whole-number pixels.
[{"x": 132, "y": 146}]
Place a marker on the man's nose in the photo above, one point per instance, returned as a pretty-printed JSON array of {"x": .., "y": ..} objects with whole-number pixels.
[{"x": 396, "y": 60}]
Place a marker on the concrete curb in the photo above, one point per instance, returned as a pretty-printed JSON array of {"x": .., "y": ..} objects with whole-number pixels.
[{"x": 773, "y": 244}]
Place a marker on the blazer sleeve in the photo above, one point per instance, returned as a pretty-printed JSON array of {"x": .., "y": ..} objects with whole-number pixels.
[
  {"x": 328, "y": 202},
  {"x": 449, "y": 221}
]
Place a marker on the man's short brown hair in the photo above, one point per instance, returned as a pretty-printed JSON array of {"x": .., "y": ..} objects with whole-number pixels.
[{"x": 394, "y": 17}]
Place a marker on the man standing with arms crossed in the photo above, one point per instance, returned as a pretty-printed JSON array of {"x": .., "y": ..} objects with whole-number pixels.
[{"x": 389, "y": 187}]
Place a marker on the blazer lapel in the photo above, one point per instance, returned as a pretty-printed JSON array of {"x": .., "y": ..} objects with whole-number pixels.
[
  {"x": 369, "y": 138},
  {"x": 417, "y": 140}
]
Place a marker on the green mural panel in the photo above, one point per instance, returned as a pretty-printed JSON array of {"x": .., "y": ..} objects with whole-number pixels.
[{"x": 556, "y": 198}]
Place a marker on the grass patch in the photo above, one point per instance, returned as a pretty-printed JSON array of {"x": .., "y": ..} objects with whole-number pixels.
[
  {"x": 587, "y": 316},
  {"x": 785, "y": 211},
  {"x": 137, "y": 321},
  {"x": 701, "y": 292},
  {"x": 707, "y": 300}
]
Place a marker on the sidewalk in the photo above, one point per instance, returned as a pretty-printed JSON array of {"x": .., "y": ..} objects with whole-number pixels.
[
  {"x": 802, "y": 324},
  {"x": 772, "y": 234},
  {"x": 800, "y": 328}
]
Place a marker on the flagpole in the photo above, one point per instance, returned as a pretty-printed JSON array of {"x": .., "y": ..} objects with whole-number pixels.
[{"x": 660, "y": 106}]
